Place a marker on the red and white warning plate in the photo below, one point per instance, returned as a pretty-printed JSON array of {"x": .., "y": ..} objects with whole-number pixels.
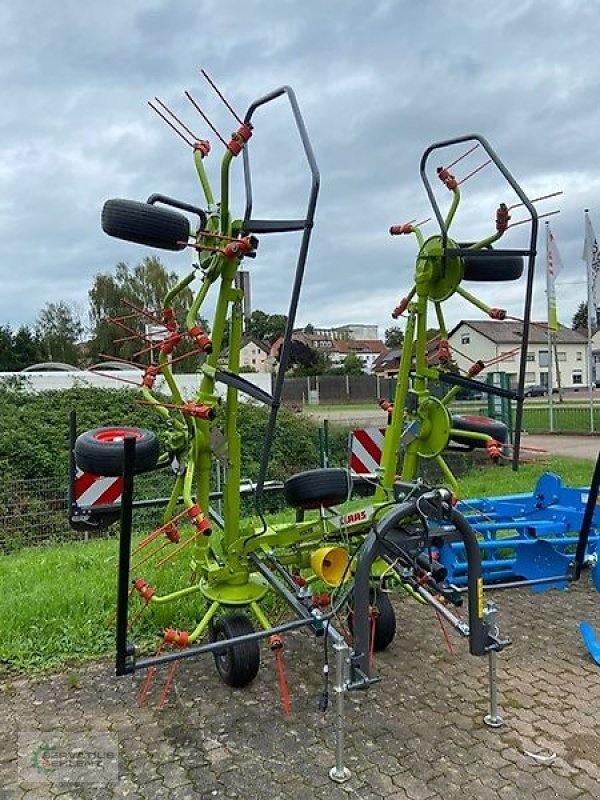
[
  {"x": 97, "y": 490},
  {"x": 366, "y": 447}
]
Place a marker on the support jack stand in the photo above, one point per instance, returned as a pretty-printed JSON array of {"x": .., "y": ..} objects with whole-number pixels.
[
  {"x": 492, "y": 719},
  {"x": 339, "y": 773}
]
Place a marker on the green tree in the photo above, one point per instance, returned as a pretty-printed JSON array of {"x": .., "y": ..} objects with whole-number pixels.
[
  {"x": 394, "y": 337},
  {"x": 27, "y": 348},
  {"x": 145, "y": 286},
  {"x": 266, "y": 327},
  {"x": 59, "y": 329},
  {"x": 580, "y": 318},
  {"x": 352, "y": 365},
  {"x": 6, "y": 349},
  {"x": 257, "y": 324},
  {"x": 275, "y": 327}
]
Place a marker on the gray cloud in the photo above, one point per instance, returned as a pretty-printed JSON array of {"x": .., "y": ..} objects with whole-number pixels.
[{"x": 377, "y": 83}]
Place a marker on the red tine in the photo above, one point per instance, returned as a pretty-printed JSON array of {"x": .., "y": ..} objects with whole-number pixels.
[
  {"x": 108, "y": 357},
  {"x": 464, "y": 155},
  {"x": 114, "y": 377},
  {"x": 475, "y": 171},
  {"x": 541, "y": 216},
  {"x": 222, "y": 98},
  {"x": 205, "y": 118},
  {"x": 537, "y": 199},
  {"x": 177, "y": 120},
  {"x": 170, "y": 124}
]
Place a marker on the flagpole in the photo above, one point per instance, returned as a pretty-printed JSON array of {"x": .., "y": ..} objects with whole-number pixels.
[
  {"x": 549, "y": 331},
  {"x": 590, "y": 315}
]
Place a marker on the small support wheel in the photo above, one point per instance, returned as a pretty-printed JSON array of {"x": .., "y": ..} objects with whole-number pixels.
[
  {"x": 385, "y": 621},
  {"x": 238, "y": 665},
  {"x": 318, "y": 487}
]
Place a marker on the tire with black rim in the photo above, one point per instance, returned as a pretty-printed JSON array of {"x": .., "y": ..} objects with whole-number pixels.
[
  {"x": 318, "y": 487},
  {"x": 101, "y": 451},
  {"x": 238, "y": 665},
  {"x": 479, "y": 267},
  {"x": 384, "y": 626},
  {"x": 147, "y": 224},
  {"x": 475, "y": 424}
]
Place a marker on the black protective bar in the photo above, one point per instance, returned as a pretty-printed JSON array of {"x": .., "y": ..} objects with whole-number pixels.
[
  {"x": 171, "y": 201},
  {"x": 124, "y": 651},
  {"x": 243, "y": 385},
  {"x": 274, "y": 225},
  {"x": 459, "y": 380},
  {"x": 586, "y": 524},
  {"x": 218, "y": 647},
  {"x": 284, "y": 351},
  {"x": 375, "y": 545},
  {"x": 531, "y": 253},
  {"x": 161, "y": 502},
  {"x": 72, "y": 466},
  {"x": 485, "y": 253}
]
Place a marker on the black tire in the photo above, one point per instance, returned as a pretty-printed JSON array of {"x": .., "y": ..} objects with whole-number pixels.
[
  {"x": 478, "y": 267},
  {"x": 101, "y": 450},
  {"x": 143, "y": 223},
  {"x": 238, "y": 665},
  {"x": 385, "y": 622},
  {"x": 318, "y": 487},
  {"x": 490, "y": 427}
]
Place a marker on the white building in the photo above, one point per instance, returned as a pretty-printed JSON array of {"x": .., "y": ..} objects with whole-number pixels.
[
  {"x": 484, "y": 340},
  {"x": 254, "y": 354}
]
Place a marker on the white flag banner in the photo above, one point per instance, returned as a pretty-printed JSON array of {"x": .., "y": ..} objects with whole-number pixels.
[{"x": 591, "y": 256}]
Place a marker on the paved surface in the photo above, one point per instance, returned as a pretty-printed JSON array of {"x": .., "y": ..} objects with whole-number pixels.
[
  {"x": 417, "y": 735},
  {"x": 562, "y": 445}
]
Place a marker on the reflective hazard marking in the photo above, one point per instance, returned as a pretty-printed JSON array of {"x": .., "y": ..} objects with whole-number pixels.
[
  {"x": 366, "y": 447},
  {"x": 97, "y": 490}
]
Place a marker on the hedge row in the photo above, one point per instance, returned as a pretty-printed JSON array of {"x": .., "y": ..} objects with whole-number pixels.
[{"x": 34, "y": 432}]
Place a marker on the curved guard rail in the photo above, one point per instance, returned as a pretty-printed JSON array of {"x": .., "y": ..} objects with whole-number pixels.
[{"x": 530, "y": 253}]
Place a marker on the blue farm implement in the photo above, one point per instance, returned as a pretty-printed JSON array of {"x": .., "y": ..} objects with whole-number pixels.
[{"x": 532, "y": 537}]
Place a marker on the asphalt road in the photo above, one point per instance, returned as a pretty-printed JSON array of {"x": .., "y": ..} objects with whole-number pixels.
[{"x": 562, "y": 445}]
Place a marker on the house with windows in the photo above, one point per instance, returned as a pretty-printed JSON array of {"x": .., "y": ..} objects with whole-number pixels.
[
  {"x": 472, "y": 340},
  {"x": 254, "y": 355},
  {"x": 337, "y": 346}
]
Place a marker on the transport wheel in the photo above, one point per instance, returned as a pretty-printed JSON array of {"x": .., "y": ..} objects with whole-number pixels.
[
  {"x": 101, "y": 450},
  {"x": 497, "y": 268},
  {"x": 318, "y": 487},
  {"x": 385, "y": 621},
  {"x": 238, "y": 665},
  {"x": 147, "y": 224},
  {"x": 490, "y": 427}
]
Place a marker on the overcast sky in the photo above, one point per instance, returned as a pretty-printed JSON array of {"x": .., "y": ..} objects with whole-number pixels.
[{"x": 377, "y": 82}]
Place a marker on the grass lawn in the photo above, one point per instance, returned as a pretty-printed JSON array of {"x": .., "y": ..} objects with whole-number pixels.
[{"x": 58, "y": 601}]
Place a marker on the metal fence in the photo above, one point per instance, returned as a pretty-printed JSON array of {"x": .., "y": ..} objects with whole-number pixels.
[
  {"x": 32, "y": 512},
  {"x": 337, "y": 389},
  {"x": 36, "y": 512},
  {"x": 568, "y": 418}
]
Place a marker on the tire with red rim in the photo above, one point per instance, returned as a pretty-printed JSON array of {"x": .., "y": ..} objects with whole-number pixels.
[
  {"x": 101, "y": 450},
  {"x": 467, "y": 422}
]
